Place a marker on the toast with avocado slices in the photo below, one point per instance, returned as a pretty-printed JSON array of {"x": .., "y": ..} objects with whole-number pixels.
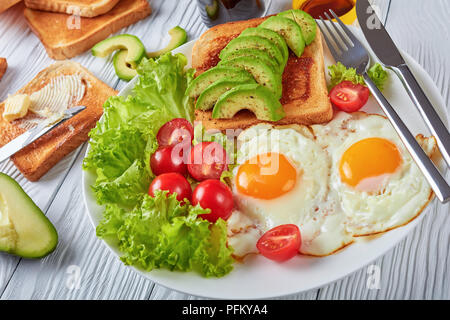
[
  {"x": 67, "y": 82},
  {"x": 84, "y": 8},
  {"x": 65, "y": 36},
  {"x": 304, "y": 92}
]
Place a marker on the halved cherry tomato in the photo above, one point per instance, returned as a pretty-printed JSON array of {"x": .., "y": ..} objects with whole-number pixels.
[
  {"x": 349, "y": 97},
  {"x": 175, "y": 131},
  {"x": 168, "y": 159},
  {"x": 207, "y": 160},
  {"x": 280, "y": 243},
  {"x": 214, "y": 195},
  {"x": 174, "y": 183}
]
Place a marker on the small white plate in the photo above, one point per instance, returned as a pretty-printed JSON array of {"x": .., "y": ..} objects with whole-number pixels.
[{"x": 260, "y": 278}]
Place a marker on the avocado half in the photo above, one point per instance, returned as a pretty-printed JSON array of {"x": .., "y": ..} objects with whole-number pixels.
[
  {"x": 263, "y": 73},
  {"x": 210, "y": 95},
  {"x": 24, "y": 229},
  {"x": 199, "y": 84},
  {"x": 305, "y": 21},
  {"x": 272, "y": 36},
  {"x": 253, "y": 42},
  {"x": 253, "y": 97},
  {"x": 289, "y": 30},
  {"x": 135, "y": 48}
]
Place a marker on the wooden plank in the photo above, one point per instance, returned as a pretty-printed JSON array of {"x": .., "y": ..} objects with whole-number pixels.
[{"x": 416, "y": 268}]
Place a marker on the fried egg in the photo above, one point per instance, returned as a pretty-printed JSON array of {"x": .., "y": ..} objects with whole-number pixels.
[
  {"x": 378, "y": 184},
  {"x": 336, "y": 181}
]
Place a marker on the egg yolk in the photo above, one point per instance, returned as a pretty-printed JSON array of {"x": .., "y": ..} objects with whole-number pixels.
[
  {"x": 367, "y": 161},
  {"x": 266, "y": 176}
]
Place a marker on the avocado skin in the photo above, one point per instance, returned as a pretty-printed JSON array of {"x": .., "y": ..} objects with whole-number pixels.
[
  {"x": 254, "y": 42},
  {"x": 272, "y": 36},
  {"x": 255, "y": 54},
  {"x": 136, "y": 49},
  {"x": 123, "y": 71},
  {"x": 305, "y": 21},
  {"x": 264, "y": 74},
  {"x": 290, "y": 31},
  {"x": 23, "y": 200},
  {"x": 253, "y": 97},
  {"x": 210, "y": 95},
  {"x": 199, "y": 84}
]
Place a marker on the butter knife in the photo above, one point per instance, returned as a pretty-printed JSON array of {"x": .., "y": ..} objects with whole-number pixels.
[
  {"x": 386, "y": 51},
  {"x": 35, "y": 133}
]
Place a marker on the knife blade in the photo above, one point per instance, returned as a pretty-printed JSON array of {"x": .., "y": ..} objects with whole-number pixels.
[
  {"x": 35, "y": 133},
  {"x": 389, "y": 55}
]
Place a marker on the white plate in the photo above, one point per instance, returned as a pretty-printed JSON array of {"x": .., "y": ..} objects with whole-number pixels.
[{"x": 261, "y": 278}]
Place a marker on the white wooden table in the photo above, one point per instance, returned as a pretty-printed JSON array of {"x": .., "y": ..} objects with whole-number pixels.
[{"x": 417, "y": 268}]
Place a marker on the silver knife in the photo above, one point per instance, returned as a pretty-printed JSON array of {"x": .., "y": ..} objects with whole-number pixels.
[
  {"x": 35, "y": 133},
  {"x": 386, "y": 51}
]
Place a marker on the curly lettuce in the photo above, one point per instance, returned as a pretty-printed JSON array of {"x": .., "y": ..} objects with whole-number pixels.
[{"x": 338, "y": 73}]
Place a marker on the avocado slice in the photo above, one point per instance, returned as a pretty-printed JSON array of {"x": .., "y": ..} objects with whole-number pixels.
[
  {"x": 253, "y": 42},
  {"x": 199, "y": 84},
  {"x": 134, "y": 47},
  {"x": 290, "y": 31},
  {"x": 178, "y": 37},
  {"x": 253, "y": 97},
  {"x": 209, "y": 97},
  {"x": 305, "y": 21},
  {"x": 263, "y": 73},
  {"x": 123, "y": 70},
  {"x": 272, "y": 36},
  {"x": 256, "y": 54},
  {"x": 24, "y": 229},
  {"x": 212, "y": 10}
]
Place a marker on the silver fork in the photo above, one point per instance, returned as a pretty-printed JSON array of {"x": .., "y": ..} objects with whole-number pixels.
[{"x": 352, "y": 54}]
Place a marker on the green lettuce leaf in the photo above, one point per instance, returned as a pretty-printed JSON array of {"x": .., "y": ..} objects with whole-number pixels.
[
  {"x": 163, "y": 233},
  {"x": 338, "y": 73}
]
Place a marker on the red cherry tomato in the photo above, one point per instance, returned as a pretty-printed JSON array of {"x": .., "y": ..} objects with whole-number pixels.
[
  {"x": 348, "y": 96},
  {"x": 214, "y": 195},
  {"x": 207, "y": 160},
  {"x": 176, "y": 131},
  {"x": 280, "y": 243},
  {"x": 174, "y": 183},
  {"x": 168, "y": 159}
]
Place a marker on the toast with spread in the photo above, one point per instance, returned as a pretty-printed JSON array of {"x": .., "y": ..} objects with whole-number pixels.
[
  {"x": 62, "y": 85},
  {"x": 304, "y": 95}
]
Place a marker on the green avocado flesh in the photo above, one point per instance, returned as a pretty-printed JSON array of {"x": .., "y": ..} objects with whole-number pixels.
[
  {"x": 272, "y": 36},
  {"x": 24, "y": 229},
  {"x": 264, "y": 74},
  {"x": 123, "y": 70},
  {"x": 134, "y": 47},
  {"x": 178, "y": 37},
  {"x": 253, "y": 97},
  {"x": 199, "y": 84},
  {"x": 209, "y": 97},
  {"x": 255, "y": 54},
  {"x": 253, "y": 42},
  {"x": 289, "y": 30},
  {"x": 305, "y": 21}
]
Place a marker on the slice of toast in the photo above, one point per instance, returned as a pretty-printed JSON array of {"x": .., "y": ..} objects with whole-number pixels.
[
  {"x": 6, "y": 4},
  {"x": 40, "y": 156},
  {"x": 65, "y": 36},
  {"x": 305, "y": 95},
  {"x": 3, "y": 67},
  {"x": 83, "y": 8}
]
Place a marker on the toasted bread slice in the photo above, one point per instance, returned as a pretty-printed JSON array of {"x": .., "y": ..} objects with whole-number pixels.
[
  {"x": 65, "y": 37},
  {"x": 305, "y": 95},
  {"x": 3, "y": 67},
  {"x": 6, "y": 4},
  {"x": 83, "y": 8},
  {"x": 37, "y": 158}
]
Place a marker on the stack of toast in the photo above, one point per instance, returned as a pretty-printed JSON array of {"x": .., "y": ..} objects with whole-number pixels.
[
  {"x": 304, "y": 97},
  {"x": 68, "y": 28}
]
